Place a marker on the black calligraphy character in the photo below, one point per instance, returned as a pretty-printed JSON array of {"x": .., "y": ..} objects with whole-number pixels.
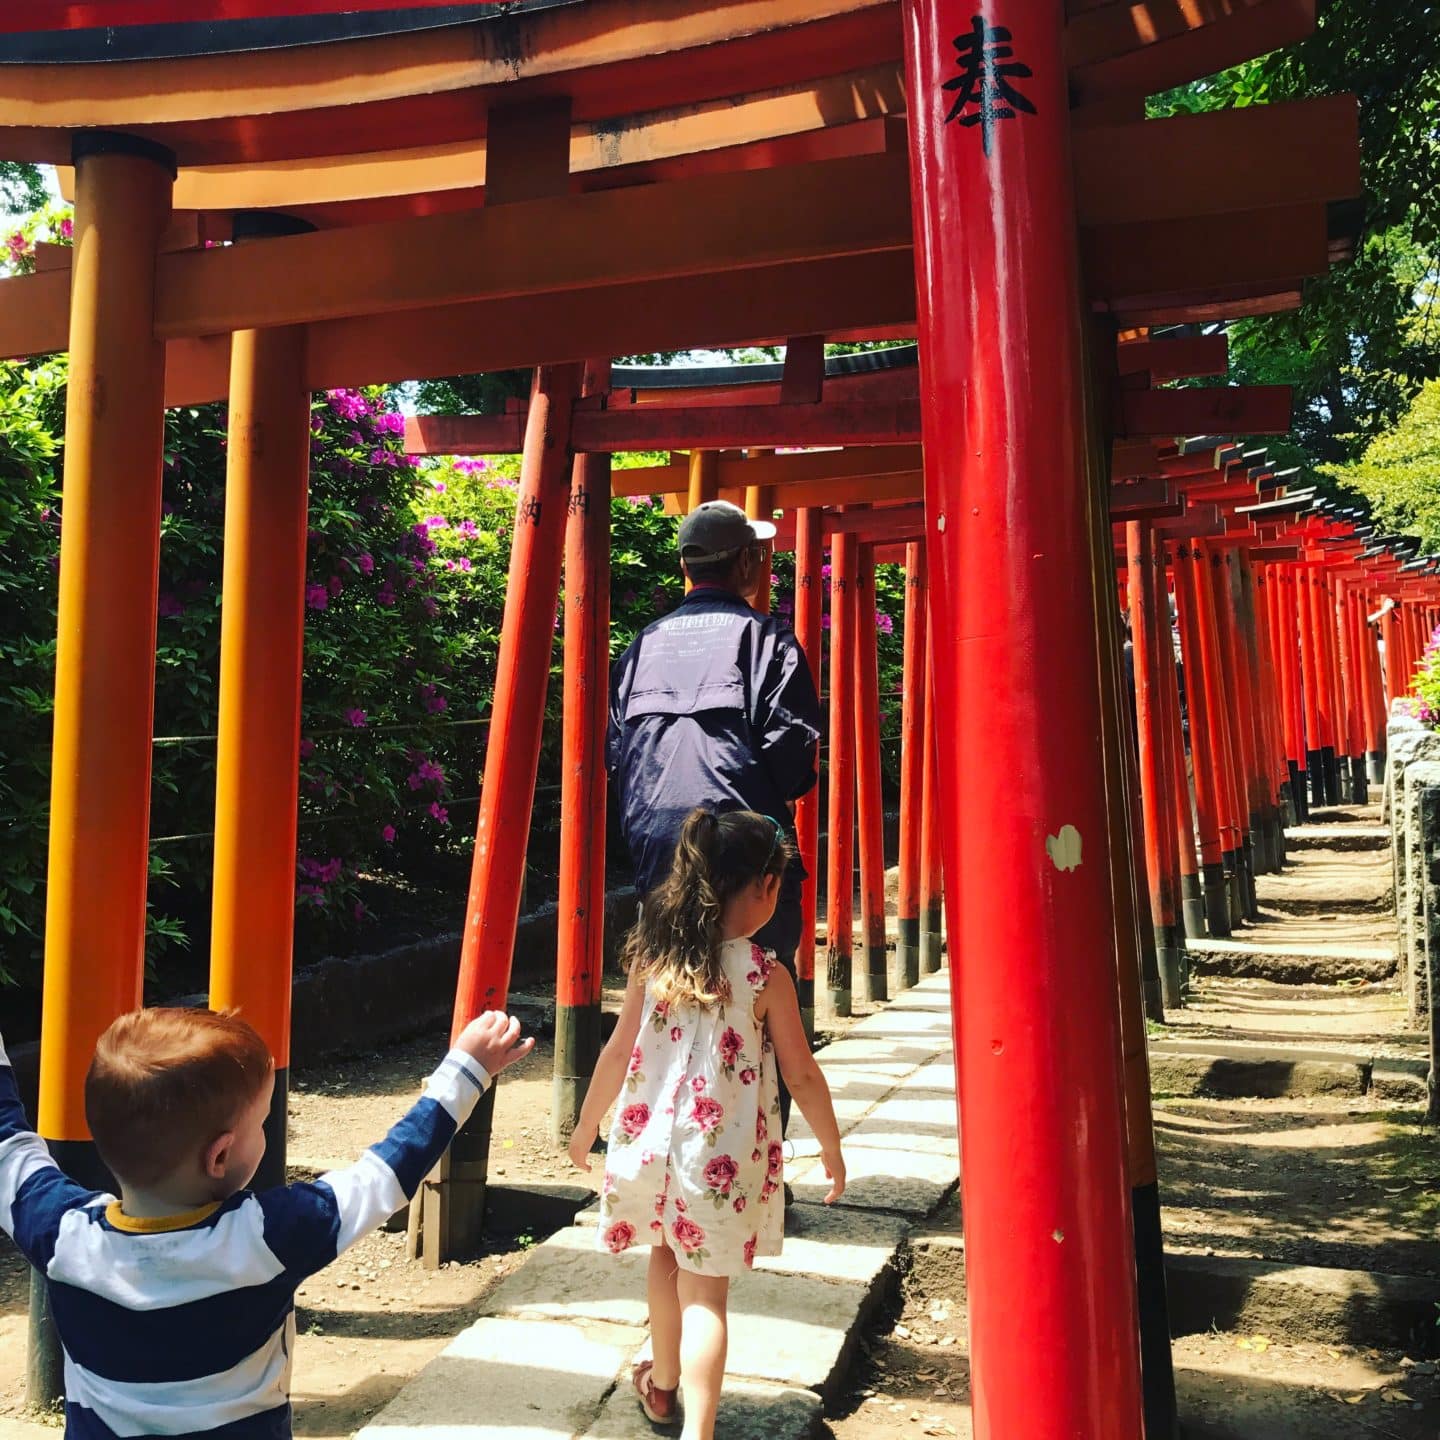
[
  {"x": 579, "y": 502},
  {"x": 804, "y": 582},
  {"x": 529, "y": 513},
  {"x": 984, "y": 81}
]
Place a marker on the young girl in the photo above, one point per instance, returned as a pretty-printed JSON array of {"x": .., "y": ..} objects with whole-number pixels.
[{"x": 695, "y": 1164}]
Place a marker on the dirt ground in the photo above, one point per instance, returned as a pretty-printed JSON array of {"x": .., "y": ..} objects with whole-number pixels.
[{"x": 915, "y": 1381}]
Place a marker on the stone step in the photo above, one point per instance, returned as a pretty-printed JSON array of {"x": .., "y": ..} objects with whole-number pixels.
[
  {"x": 1348, "y": 838},
  {"x": 1310, "y": 964},
  {"x": 1237, "y": 1069}
]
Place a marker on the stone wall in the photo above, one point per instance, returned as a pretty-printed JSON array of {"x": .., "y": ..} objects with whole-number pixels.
[{"x": 1412, "y": 804}]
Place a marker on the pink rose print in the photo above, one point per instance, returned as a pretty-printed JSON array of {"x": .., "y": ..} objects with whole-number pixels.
[
  {"x": 688, "y": 1235},
  {"x": 675, "y": 1034},
  {"x": 762, "y": 1130},
  {"x": 740, "y": 1203},
  {"x": 775, "y": 1166},
  {"x": 698, "y": 1084},
  {"x": 750, "y": 1249},
  {"x": 680, "y": 1204},
  {"x": 721, "y": 1173},
  {"x": 647, "y": 1157},
  {"x": 634, "y": 1119},
  {"x": 707, "y": 1113},
  {"x": 636, "y": 1058},
  {"x": 619, "y": 1237},
  {"x": 656, "y": 1225},
  {"x": 747, "y": 1077},
  {"x": 660, "y": 1203},
  {"x": 730, "y": 1047}
]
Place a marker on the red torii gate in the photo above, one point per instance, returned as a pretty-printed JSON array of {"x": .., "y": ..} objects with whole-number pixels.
[{"x": 573, "y": 276}]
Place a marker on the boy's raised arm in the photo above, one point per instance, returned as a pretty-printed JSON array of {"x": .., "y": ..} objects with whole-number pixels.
[
  {"x": 34, "y": 1194},
  {"x": 308, "y": 1225}
]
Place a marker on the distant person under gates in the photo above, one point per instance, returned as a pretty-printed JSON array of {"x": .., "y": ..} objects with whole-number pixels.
[{"x": 714, "y": 705}]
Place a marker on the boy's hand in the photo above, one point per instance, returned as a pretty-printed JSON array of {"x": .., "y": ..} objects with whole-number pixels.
[
  {"x": 494, "y": 1040},
  {"x": 582, "y": 1142},
  {"x": 834, "y": 1172}
]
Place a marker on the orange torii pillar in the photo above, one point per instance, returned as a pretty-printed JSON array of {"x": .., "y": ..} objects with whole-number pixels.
[
  {"x": 1182, "y": 815},
  {"x": 1209, "y": 804},
  {"x": 262, "y": 641},
  {"x": 1311, "y": 683},
  {"x": 840, "y": 870},
  {"x": 760, "y": 505},
  {"x": 1284, "y": 650},
  {"x": 1373, "y": 679},
  {"x": 1353, "y": 784},
  {"x": 1236, "y": 714},
  {"x": 1162, "y": 860},
  {"x": 870, "y": 805},
  {"x": 1049, "y": 1245},
  {"x": 105, "y": 655},
  {"x": 704, "y": 484},
  {"x": 1291, "y": 618},
  {"x": 932, "y": 887},
  {"x": 1266, "y": 829},
  {"x": 915, "y": 686},
  {"x": 580, "y": 916},
  {"x": 262, "y": 619},
  {"x": 1255, "y": 618},
  {"x": 1224, "y": 746},
  {"x": 809, "y": 603},
  {"x": 1332, "y": 712},
  {"x": 529, "y": 150}
]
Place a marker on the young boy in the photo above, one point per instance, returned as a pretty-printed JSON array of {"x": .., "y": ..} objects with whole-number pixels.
[{"x": 175, "y": 1304}]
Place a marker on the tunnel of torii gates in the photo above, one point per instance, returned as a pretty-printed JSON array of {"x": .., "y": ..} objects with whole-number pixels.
[{"x": 436, "y": 191}]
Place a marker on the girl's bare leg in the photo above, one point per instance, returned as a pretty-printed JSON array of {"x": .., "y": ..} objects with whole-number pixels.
[
  {"x": 664, "y": 1317},
  {"x": 704, "y": 1341}
]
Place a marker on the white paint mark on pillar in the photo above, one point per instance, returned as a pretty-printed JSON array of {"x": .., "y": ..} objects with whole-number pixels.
[{"x": 1064, "y": 849}]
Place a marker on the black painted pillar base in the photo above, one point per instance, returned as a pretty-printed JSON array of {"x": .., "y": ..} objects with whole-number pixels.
[
  {"x": 932, "y": 942},
  {"x": 1359, "y": 781},
  {"x": 874, "y": 979},
  {"x": 1315, "y": 773},
  {"x": 1235, "y": 886},
  {"x": 805, "y": 993},
  {"x": 1260, "y": 858},
  {"x": 1375, "y": 766},
  {"x": 1248, "y": 894},
  {"x": 271, "y": 1173},
  {"x": 1217, "y": 900},
  {"x": 1156, "y": 1363},
  {"x": 1299, "y": 797},
  {"x": 1332, "y": 775},
  {"x": 44, "y": 1361},
  {"x": 1192, "y": 903},
  {"x": 577, "y": 1048},
  {"x": 1170, "y": 960},
  {"x": 839, "y": 983},
  {"x": 905, "y": 970}
]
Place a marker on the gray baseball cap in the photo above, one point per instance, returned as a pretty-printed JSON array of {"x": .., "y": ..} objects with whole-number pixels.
[{"x": 719, "y": 528}]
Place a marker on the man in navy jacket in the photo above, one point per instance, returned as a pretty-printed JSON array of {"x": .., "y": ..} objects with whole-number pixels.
[{"x": 714, "y": 704}]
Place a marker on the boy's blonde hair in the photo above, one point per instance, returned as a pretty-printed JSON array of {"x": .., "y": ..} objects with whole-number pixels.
[{"x": 164, "y": 1083}]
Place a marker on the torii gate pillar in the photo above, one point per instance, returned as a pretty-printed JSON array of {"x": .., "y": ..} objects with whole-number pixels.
[{"x": 1046, "y": 1199}]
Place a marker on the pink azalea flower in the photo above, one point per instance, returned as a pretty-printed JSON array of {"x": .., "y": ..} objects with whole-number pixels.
[
  {"x": 317, "y": 597},
  {"x": 388, "y": 834},
  {"x": 356, "y": 717}
]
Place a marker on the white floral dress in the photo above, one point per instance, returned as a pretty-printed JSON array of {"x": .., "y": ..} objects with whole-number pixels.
[{"x": 695, "y": 1158}]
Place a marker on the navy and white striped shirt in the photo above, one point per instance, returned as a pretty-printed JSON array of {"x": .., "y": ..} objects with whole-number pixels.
[{"x": 186, "y": 1326}]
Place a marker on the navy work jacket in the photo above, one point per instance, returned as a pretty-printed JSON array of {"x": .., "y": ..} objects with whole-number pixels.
[{"x": 713, "y": 705}]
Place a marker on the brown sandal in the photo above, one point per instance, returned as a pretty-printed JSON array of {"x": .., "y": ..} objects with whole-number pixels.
[{"x": 661, "y": 1407}]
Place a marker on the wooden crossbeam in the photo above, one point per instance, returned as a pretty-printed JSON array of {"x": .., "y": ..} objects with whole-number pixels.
[
  {"x": 715, "y": 224},
  {"x": 778, "y": 471},
  {"x": 1144, "y": 500},
  {"x": 748, "y": 427},
  {"x": 1303, "y": 152},
  {"x": 1236, "y": 409},
  {"x": 1184, "y": 358},
  {"x": 1170, "y": 260},
  {"x": 436, "y": 86},
  {"x": 1140, "y": 47}
]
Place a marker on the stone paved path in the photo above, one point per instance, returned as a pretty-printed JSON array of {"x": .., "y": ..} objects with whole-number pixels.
[{"x": 551, "y": 1354}]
